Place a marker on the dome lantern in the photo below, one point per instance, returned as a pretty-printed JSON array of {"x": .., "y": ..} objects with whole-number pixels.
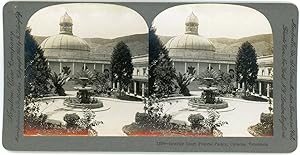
[
  {"x": 66, "y": 24},
  {"x": 191, "y": 24}
]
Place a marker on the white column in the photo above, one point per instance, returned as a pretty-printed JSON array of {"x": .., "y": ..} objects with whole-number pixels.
[
  {"x": 102, "y": 69},
  {"x": 128, "y": 90},
  {"x": 219, "y": 66},
  {"x": 185, "y": 68},
  {"x": 84, "y": 66},
  {"x": 94, "y": 66},
  {"x": 114, "y": 85},
  {"x": 143, "y": 89},
  {"x": 60, "y": 67},
  {"x": 243, "y": 85},
  {"x": 118, "y": 85},
  {"x": 259, "y": 87},
  {"x": 73, "y": 68},
  {"x": 227, "y": 68},
  {"x": 209, "y": 66},
  {"x": 253, "y": 90},
  {"x": 268, "y": 90},
  {"x": 198, "y": 68},
  {"x": 134, "y": 88}
]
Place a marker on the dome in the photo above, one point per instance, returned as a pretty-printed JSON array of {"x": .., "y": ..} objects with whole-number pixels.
[
  {"x": 190, "y": 41},
  {"x": 65, "y": 19},
  {"x": 192, "y": 18},
  {"x": 65, "y": 46},
  {"x": 190, "y": 45}
]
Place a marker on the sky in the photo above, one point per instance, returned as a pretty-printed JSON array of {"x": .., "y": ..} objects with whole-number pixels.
[
  {"x": 89, "y": 20},
  {"x": 215, "y": 20}
]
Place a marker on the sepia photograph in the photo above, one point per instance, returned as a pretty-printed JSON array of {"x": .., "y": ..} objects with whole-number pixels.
[
  {"x": 100, "y": 70},
  {"x": 211, "y": 72},
  {"x": 150, "y": 76},
  {"x": 86, "y": 70}
]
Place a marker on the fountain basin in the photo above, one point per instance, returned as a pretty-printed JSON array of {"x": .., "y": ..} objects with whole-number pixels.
[
  {"x": 209, "y": 106},
  {"x": 208, "y": 88},
  {"x": 75, "y": 103},
  {"x": 83, "y": 88}
]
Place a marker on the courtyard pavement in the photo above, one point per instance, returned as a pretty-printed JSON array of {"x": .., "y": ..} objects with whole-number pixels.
[{"x": 118, "y": 113}]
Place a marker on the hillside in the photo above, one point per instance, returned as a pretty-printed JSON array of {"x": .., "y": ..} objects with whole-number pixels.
[
  {"x": 138, "y": 44},
  {"x": 262, "y": 43}
]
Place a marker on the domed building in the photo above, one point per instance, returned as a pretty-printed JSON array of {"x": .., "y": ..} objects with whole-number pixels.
[
  {"x": 194, "y": 50},
  {"x": 66, "y": 49}
]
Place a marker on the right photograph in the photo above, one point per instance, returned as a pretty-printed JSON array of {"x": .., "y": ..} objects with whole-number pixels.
[{"x": 210, "y": 72}]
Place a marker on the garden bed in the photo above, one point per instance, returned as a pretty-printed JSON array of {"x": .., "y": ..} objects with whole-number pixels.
[
  {"x": 135, "y": 129},
  {"x": 261, "y": 130},
  {"x": 62, "y": 131}
]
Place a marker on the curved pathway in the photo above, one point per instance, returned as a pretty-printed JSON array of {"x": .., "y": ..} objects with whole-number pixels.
[{"x": 240, "y": 115}]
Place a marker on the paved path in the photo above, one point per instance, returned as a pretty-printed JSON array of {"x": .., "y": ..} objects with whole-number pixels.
[
  {"x": 239, "y": 116},
  {"x": 120, "y": 113}
]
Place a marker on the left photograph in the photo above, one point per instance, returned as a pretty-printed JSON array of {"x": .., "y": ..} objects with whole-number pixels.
[{"x": 86, "y": 70}]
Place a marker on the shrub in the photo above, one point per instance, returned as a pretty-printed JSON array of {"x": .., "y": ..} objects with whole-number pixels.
[
  {"x": 212, "y": 121},
  {"x": 154, "y": 109},
  {"x": 183, "y": 81},
  {"x": 141, "y": 118},
  {"x": 219, "y": 101},
  {"x": 71, "y": 120},
  {"x": 88, "y": 120},
  {"x": 196, "y": 121},
  {"x": 102, "y": 83},
  {"x": 197, "y": 100},
  {"x": 32, "y": 113},
  {"x": 58, "y": 80},
  {"x": 84, "y": 73},
  {"x": 266, "y": 118}
]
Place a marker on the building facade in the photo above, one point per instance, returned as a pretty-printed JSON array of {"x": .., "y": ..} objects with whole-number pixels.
[{"x": 264, "y": 84}]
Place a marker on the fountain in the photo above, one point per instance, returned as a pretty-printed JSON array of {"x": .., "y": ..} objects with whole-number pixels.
[
  {"x": 208, "y": 97},
  {"x": 84, "y": 97}
]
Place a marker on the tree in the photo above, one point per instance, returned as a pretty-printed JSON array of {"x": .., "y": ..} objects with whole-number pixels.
[
  {"x": 37, "y": 71},
  {"x": 246, "y": 65},
  {"x": 102, "y": 82},
  {"x": 162, "y": 72},
  {"x": 121, "y": 65}
]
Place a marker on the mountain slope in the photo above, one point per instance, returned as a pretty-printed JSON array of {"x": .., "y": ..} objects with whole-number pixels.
[
  {"x": 262, "y": 43},
  {"x": 138, "y": 44}
]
